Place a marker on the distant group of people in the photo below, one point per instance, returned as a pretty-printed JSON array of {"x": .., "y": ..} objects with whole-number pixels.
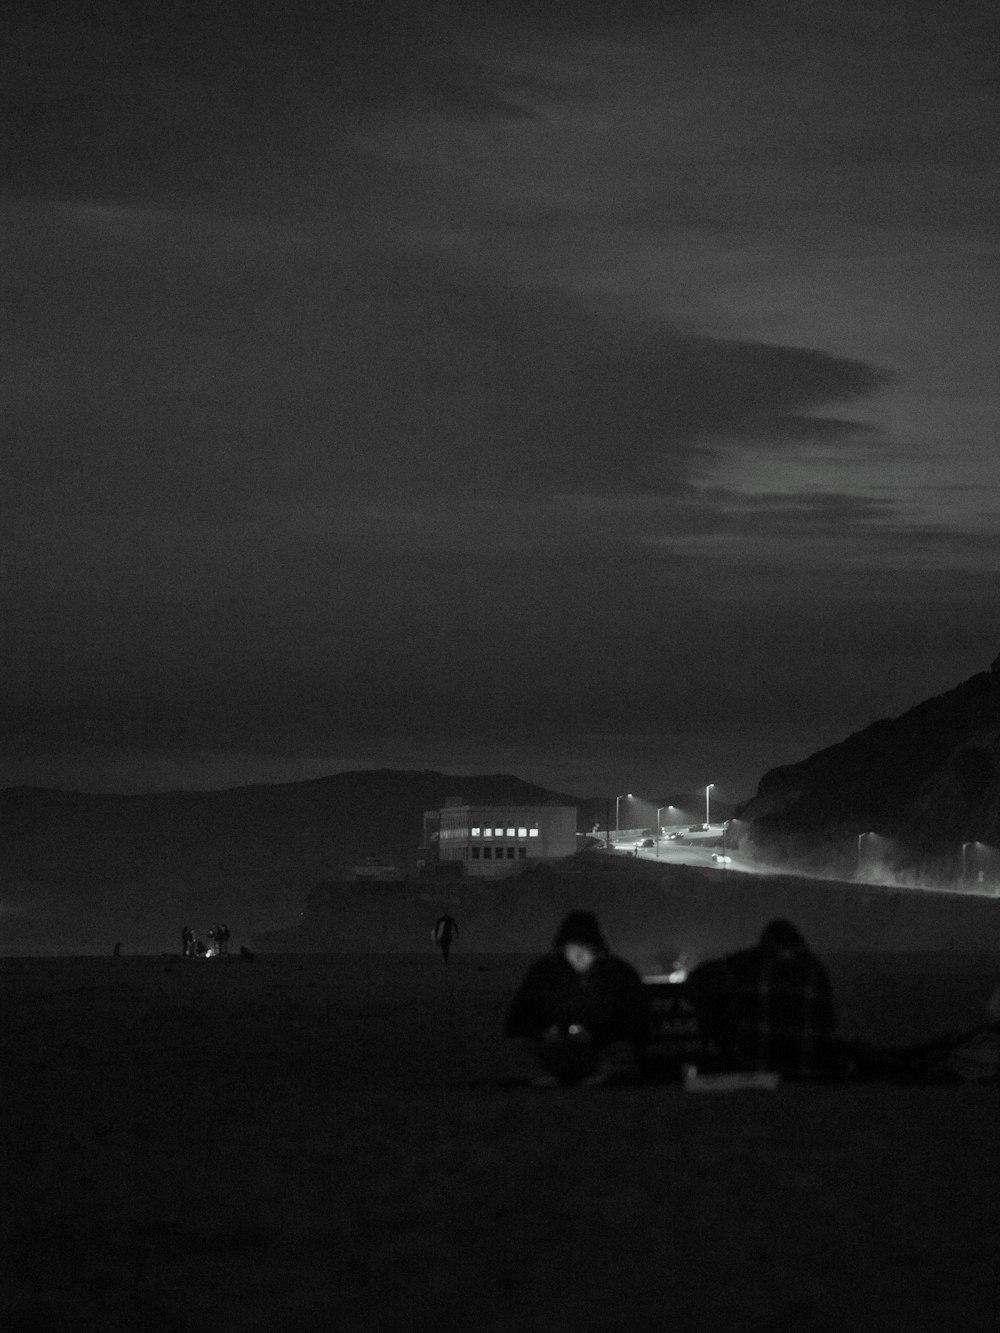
[
  {"x": 581, "y": 1017},
  {"x": 193, "y": 947}
]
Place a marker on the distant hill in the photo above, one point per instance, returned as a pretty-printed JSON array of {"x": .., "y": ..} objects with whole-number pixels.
[
  {"x": 80, "y": 872},
  {"x": 929, "y": 780}
]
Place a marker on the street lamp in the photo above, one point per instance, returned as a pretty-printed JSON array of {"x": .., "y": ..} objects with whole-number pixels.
[
  {"x": 660, "y": 809},
  {"x": 707, "y": 790},
  {"x": 861, "y": 838},
  {"x": 659, "y": 826},
  {"x": 626, "y": 797}
]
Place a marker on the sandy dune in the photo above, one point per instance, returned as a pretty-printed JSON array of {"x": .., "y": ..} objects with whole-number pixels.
[{"x": 320, "y": 1143}]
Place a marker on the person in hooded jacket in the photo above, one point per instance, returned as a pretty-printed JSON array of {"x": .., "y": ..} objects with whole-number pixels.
[
  {"x": 767, "y": 1008},
  {"x": 579, "y": 1015}
]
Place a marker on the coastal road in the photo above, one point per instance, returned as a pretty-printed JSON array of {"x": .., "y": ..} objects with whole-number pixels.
[{"x": 694, "y": 850}]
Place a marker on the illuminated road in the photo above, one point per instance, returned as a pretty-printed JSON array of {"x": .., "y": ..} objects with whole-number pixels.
[{"x": 696, "y": 849}]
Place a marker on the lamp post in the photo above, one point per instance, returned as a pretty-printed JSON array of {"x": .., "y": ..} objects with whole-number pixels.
[
  {"x": 659, "y": 827},
  {"x": 861, "y": 838},
  {"x": 707, "y": 790},
  {"x": 626, "y": 797}
]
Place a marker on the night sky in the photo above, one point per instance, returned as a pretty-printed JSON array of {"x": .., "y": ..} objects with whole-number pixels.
[{"x": 603, "y": 392}]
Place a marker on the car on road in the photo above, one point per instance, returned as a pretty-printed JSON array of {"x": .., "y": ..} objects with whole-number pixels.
[
  {"x": 647, "y": 842},
  {"x": 721, "y": 857},
  {"x": 698, "y": 828},
  {"x": 672, "y": 837}
]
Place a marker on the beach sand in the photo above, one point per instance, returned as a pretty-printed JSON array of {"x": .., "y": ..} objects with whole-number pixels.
[{"x": 322, "y": 1143}]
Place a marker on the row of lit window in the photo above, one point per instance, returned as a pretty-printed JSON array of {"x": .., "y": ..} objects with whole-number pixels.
[
  {"x": 499, "y": 833},
  {"x": 513, "y": 853},
  {"x": 452, "y": 834}
]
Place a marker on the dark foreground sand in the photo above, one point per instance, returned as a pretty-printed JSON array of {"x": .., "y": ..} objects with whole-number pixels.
[{"x": 320, "y": 1143}]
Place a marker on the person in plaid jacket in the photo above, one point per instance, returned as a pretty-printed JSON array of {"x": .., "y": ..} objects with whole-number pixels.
[{"x": 767, "y": 1008}]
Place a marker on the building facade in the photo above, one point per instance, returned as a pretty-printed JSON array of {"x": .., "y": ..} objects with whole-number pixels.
[{"x": 491, "y": 841}]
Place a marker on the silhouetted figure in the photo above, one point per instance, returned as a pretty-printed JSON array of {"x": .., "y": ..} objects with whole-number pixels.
[
  {"x": 118, "y": 949},
  {"x": 213, "y": 935},
  {"x": 767, "y": 1008},
  {"x": 445, "y": 930},
  {"x": 199, "y": 948},
  {"x": 223, "y": 939},
  {"x": 245, "y": 952},
  {"x": 187, "y": 942},
  {"x": 579, "y": 1015}
]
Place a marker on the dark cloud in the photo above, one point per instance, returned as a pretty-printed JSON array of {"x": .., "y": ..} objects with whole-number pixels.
[
  {"x": 613, "y": 18},
  {"x": 150, "y": 102},
  {"x": 159, "y": 367}
]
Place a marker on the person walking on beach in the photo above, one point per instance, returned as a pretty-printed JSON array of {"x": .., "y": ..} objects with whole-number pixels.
[
  {"x": 580, "y": 1014},
  {"x": 445, "y": 930},
  {"x": 224, "y": 939},
  {"x": 187, "y": 942}
]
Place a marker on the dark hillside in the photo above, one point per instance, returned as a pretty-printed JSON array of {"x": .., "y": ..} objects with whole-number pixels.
[{"x": 929, "y": 779}]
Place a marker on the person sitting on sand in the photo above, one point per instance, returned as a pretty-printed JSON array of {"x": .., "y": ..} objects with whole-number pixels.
[
  {"x": 767, "y": 1008},
  {"x": 579, "y": 1015}
]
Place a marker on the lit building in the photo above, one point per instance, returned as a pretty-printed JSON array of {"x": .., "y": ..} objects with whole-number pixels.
[{"x": 496, "y": 840}]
